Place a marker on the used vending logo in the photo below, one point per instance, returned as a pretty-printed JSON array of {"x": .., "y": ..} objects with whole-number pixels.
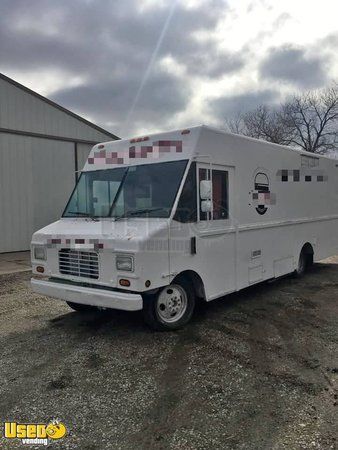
[{"x": 35, "y": 433}]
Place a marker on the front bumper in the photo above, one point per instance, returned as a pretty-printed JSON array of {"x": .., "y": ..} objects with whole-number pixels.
[{"x": 103, "y": 298}]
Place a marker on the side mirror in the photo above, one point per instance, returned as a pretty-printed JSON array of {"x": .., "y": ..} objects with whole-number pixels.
[
  {"x": 205, "y": 189},
  {"x": 206, "y": 206}
]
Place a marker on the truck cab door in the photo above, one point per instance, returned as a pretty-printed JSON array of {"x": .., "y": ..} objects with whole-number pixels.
[
  {"x": 216, "y": 229},
  {"x": 206, "y": 243}
]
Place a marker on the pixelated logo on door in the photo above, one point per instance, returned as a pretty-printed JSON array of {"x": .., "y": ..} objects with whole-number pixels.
[{"x": 262, "y": 198}]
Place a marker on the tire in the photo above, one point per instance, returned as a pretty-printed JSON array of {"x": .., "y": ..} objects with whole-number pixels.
[
  {"x": 171, "y": 307},
  {"x": 81, "y": 308},
  {"x": 302, "y": 264}
]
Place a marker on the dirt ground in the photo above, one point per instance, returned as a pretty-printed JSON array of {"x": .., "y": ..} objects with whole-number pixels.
[{"x": 257, "y": 370}]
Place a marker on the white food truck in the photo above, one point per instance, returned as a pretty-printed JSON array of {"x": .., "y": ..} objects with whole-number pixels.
[{"x": 157, "y": 222}]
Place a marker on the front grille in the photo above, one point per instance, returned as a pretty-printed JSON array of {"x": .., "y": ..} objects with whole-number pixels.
[{"x": 78, "y": 263}]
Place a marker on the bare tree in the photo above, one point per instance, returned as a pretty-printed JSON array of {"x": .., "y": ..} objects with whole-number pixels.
[
  {"x": 268, "y": 124},
  {"x": 309, "y": 121},
  {"x": 313, "y": 118},
  {"x": 263, "y": 123},
  {"x": 236, "y": 124}
]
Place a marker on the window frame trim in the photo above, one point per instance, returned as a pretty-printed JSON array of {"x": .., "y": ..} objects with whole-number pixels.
[{"x": 190, "y": 163}]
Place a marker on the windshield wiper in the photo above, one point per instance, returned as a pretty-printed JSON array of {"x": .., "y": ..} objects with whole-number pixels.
[
  {"x": 79, "y": 213},
  {"x": 138, "y": 211},
  {"x": 145, "y": 210},
  {"x": 83, "y": 214}
]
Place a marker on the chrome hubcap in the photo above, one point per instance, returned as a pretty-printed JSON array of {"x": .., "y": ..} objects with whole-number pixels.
[{"x": 171, "y": 303}]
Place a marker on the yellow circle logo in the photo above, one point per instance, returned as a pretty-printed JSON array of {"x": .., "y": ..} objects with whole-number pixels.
[{"x": 56, "y": 430}]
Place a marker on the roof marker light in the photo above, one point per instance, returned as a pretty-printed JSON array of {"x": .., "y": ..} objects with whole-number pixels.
[
  {"x": 185, "y": 131},
  {"x": 139, "y": 139},
  {"x": 101, "y": 146}
]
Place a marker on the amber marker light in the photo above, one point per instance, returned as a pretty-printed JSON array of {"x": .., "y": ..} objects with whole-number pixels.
[
  {"x": 124, "y": 282},
  {"x": 40, "y": 269}
]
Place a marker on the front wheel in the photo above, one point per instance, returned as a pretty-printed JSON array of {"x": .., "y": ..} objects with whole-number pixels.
[
  {"x": 170, "y": 308},
  {"x": 304, "y": 262},
  {"x": 81, "y": 308}
]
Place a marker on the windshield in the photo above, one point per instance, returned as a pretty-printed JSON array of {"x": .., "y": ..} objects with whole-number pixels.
[{"x": 147, "y": 190}]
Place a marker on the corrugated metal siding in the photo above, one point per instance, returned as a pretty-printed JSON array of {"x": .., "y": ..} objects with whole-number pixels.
[
  {"x": 20, "y": 110},
  {"x": 82, "y": 154},
  {"x": 36, "y": 179},
  {"x": 36, "y": 174}
]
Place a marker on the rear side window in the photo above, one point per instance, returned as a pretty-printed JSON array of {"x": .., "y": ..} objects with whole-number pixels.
[{"x": 187, "y": 205}]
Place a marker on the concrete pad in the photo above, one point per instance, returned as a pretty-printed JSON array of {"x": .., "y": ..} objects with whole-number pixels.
[{"x": 14, "y": 262}]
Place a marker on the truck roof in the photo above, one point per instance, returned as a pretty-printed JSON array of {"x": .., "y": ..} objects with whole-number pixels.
[{"x": 166, "y": 146}]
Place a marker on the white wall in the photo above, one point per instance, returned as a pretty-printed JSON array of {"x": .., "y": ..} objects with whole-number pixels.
[
  {"x": 82, "y": 154},
  {"x": 36, "y": 175},
  {"x": 36, "y": 179},
  {"x": 21, "y": 110}
]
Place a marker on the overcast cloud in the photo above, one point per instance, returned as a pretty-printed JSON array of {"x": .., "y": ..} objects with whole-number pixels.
[
  {"x": 292, "y": 65},
  {"x": 139, "y": 66}
]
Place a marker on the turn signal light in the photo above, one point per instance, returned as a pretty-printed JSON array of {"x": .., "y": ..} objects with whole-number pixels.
[
  {"x": 124, "y": 282},
  {"x": 40, "y": 269}
]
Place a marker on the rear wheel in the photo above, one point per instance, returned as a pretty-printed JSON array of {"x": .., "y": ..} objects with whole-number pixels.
[
  {"x": 170, "y": 308},
  {"x": 81, "y": 308}
]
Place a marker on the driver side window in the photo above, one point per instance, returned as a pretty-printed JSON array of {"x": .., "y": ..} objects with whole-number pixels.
[{"x": 220, "y": 194}]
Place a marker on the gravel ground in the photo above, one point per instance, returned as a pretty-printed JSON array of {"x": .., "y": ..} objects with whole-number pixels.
[{"x": 257, "y": 370}]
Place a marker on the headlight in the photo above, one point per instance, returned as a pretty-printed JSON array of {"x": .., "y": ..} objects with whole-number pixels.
[
  {"x": 40, "y": 253},
  {"x": 125, "y": 263}
]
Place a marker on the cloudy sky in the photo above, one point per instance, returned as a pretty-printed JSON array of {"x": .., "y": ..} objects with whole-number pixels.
[{"x": 137, "y": 66}]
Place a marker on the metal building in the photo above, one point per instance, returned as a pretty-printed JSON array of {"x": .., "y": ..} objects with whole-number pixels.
[{"x": 42, "y": 146}]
